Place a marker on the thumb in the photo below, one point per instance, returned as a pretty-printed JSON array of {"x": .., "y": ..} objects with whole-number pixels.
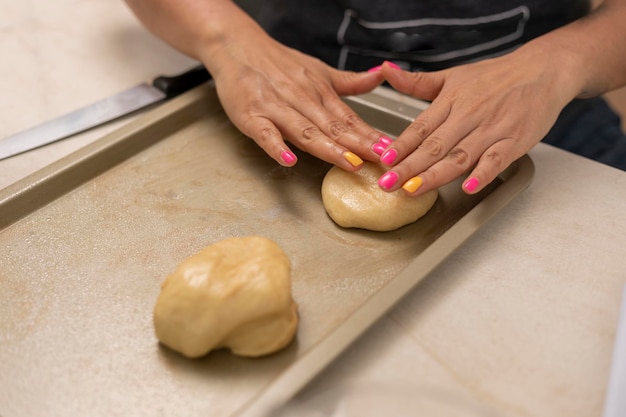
[
  {"x": 351, "y": 83},
  {"x": 422, "y": 85}
]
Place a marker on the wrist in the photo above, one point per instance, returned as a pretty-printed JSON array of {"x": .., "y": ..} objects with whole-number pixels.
[
  {"x": 560, "y": 65},
  {"x": 223, "y": 38}
]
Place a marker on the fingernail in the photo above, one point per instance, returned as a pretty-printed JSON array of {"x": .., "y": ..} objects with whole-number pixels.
[
  {"x": 385, "y": 140},
  {"x": 392, "y": 65},
  {"x": 471, "y": 184},
  {"x": 353, "y": 159},
  {"x": 379, "y": 148},
  {"x": 389, "y": 156},
  {"x": 375, "y": 69},
  {"x": 288, "y": 157},
  {"x": 412, "y": 184},
  {"x": 388, "y": 180}
]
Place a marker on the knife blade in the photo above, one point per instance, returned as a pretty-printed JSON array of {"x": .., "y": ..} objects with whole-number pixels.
[{"x": 103, "y": 111}]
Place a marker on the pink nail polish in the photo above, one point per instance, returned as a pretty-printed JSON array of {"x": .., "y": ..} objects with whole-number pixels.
[
  {"x": 388, "y": 180},
  {"x": 385, "y": 140},
  {"x": 471, "y": 184},
  {"x": 393, "y": 65},
  {"x": 375, "y": 69},
  {"x": 389, "y": 156},
  {"x": 288, "y": 157},
  {"x": 379, "y": 148}
]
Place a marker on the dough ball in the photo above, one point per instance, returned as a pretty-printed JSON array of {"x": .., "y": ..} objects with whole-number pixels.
[
  {"x": 235, "y": 293},
  {"x": 354, "y": 199}
]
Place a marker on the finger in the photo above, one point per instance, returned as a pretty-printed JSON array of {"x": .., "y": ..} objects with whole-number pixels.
[
  {"x": 347, "y": 83},
  {"x": 354, "y": 83},
  {"x": 307, "y": 136},
  {"x": 271, "y": 125},
  {"x": 491, "y": 163},
  {"x": 422, "y": 85},
  {"x": 454, "y": 164},
  {"x": 424, "y": 125},
  {"x": 338, "y": 121},
  {"x": 363, "y": 137},
  {"x": 269, "y": 138},
  {"x": 438, "y": 161}
]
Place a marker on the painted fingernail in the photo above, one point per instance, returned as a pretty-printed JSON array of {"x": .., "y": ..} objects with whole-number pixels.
[
  {"x": 288, "y": 157},
  {"x": 392, "y": 65},
  {"x": 412, "y": 184},
  {"x": 388, "y": 180},
  {"x": 352, "y": 158},
  {"x": 375, "y": 69},
  {"x": 389, "y": 156},
  {"x": 385, "y": 140},
  {"x": 379, "y": 148},
  {"x": 471, "y": 184}
]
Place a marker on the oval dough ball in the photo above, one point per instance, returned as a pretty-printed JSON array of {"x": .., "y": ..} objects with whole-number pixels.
[
  {"x": 235, "y": 293},
  {"x": 354, "y": 199}
]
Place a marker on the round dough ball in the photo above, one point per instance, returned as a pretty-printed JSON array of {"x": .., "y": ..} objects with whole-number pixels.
[
  {"x": 354, "y": 199},
  {"x": 235, "y": 293}
]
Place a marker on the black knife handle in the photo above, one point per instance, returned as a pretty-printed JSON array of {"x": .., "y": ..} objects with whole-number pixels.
[{"x": 178, "y": 84}]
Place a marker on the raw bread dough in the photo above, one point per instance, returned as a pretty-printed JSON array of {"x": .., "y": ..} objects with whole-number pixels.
[
  {"x": 354, "y": 199},
  {"x": 235, "y": 293}
]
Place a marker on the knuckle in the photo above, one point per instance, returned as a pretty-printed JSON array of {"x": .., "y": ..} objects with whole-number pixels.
[
  {"x": 352, "y": 120},
  {"x": 269, "y": 134},
  {"x": 310, "y": 132},
  {"x": 433, "y": 146},
  {"x": 336, "y": 129},
  {"x": 460, "y": 157},
  {"x": 420, "y": 128},
  {"x": 494, "y": 158},
  {"x": 372, "y": 136},
  {"x": 326, "y": 91},
  {"x": 470, "y": 107}
]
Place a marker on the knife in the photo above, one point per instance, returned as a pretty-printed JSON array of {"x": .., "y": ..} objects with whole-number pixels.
[{"x": 100, "y": 112}]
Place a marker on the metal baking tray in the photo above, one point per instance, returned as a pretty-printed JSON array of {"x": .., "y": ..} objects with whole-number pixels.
[{"x": 86, "y": 243}]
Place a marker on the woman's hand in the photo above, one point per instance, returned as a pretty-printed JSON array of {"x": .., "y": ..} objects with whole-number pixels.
[
  {"x": 487, "y": 114},
  {"x": 483, "y": 116},
  {"x": 270, "y": 92},
  {"x": 275, "y": 94}
]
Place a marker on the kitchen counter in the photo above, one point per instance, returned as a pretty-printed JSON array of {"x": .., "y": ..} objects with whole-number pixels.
[{"x": 521, "y": 319}]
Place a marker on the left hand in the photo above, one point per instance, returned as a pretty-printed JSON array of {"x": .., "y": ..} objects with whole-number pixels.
[{"x": 483, "y": 116}]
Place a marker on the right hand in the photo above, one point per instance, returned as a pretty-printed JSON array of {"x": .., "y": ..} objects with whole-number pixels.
[{"x": 273, "y": 93}]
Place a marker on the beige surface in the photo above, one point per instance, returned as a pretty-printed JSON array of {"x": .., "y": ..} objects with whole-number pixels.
[{"x": 521, "y": 318}]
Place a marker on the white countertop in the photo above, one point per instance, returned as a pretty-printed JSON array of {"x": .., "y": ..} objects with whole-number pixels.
[{"x": 521, "y": 319}]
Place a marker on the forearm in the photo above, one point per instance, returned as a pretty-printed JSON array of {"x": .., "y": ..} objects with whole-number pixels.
[
  {"x": 590, "y": 52},
  {"x": 198, "y": 28}
]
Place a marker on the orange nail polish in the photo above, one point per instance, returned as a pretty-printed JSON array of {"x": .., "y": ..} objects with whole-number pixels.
[
  {"x": 412, "y": 184},
  {"x": 352, "y": 158}
]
